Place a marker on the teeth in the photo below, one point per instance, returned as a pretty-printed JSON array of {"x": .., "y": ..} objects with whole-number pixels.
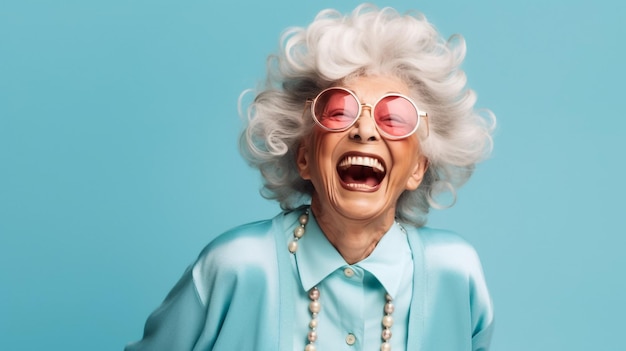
[
  {"x": 362, "y": 161},
  {"x": 359, "y": 186}
]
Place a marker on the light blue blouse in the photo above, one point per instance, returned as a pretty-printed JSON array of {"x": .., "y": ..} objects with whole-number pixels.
[
  {"x": 247, "y": 292},
  {"x": 353, "y": 296}
]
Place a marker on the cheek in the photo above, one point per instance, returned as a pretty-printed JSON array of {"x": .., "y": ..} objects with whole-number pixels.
[
  {"x": 321, "y": 155},
  {"x": 323, "y": 146},
  {"x": 406, "y": 154},
  {"x": 323, "y": 161},
  {"x": 403, "y": 148}
]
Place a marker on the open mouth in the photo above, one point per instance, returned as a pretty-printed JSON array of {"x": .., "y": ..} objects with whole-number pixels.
[{"x": 361, "y": 172}]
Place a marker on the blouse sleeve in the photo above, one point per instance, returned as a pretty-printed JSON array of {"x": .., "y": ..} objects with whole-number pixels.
[
  {"x": 230, "y": 284},
  {"x": 481, "y": 308},
  {"x": 177, "y": 323}
]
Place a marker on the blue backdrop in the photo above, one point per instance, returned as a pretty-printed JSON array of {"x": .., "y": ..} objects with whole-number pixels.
[{"x": 118, "y": 159}]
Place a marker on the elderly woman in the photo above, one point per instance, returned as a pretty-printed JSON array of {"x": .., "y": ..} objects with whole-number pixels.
[{"x": 366, "y": 117}]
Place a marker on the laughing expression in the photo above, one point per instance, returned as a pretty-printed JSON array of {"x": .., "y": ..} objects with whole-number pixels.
[{"x": 357, "y": 173}]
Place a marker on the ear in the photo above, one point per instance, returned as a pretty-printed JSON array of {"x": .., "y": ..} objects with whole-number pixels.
[
  {"x": 417, "y": 176},
  {"x": 302, "y": 160}
]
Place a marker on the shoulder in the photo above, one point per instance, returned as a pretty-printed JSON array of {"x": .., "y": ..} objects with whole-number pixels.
[
  {"x": 446, "y": 250},
  {"x": 442, "y": 239},
  {"x": 243, "y": 242},
  {"x": 248, "y": 244},
  {"x": 243, "y": 258},
  {"x": 249, "y": 250}
]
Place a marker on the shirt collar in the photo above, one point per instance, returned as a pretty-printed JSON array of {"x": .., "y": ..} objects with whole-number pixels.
[
  {"x": 316, "y": 258},
  {"x": 391, "y": 260}
]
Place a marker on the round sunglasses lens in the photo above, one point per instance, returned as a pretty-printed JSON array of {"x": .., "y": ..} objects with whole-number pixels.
[
  {"x": 396, "y": 116},
  {"x": 336, "y": 109}
]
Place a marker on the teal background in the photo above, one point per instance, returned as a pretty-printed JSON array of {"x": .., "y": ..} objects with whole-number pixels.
[{"x": 118, "y": 159}]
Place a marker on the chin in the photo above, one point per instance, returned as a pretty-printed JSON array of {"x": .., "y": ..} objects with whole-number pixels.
[{"x": 362, "y": 205}]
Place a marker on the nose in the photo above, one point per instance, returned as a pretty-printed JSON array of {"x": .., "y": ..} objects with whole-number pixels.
[{"x": 364, "y": 129}]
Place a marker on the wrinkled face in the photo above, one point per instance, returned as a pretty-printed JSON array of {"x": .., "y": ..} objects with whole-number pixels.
[{"x": 357, "y": 173}]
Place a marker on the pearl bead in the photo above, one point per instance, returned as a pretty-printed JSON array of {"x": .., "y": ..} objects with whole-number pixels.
[
  {"x": 293, "y": 246},
  {"x": 388, "y": 321},
  {"x": 304, "y": 218},
  {"x": 314, "y": 294},
  {"x": 310, "y": 347},
  {"x": 312, "y": 336},
  {"x": 298, "y": 232},
  {"x": 389, "y": 308},
  {"x": 313, "y": 323},
  {"x": 386, "y": 335},
  {"x": 315, "y": 306},
  {"x": 385, "y": 346}
]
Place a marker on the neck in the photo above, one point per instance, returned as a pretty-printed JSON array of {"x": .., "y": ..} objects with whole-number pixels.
[{"x": 354, "y": 239}]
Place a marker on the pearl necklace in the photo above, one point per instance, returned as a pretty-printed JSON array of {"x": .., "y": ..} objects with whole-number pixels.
[{"x": 314, "y": 295}]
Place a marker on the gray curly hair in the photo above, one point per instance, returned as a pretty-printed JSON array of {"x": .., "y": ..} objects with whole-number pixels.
[{"x": 369, "y": 41}]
